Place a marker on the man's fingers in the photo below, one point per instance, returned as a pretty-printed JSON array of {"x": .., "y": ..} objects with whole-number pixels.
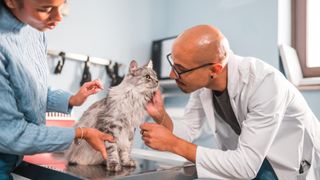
[
  {"x": 146, "y": 126},
  {"x": 145, "y": 139},
  {"x": 157, "y": 93},
  {"x": 149, "y": 145},
  {"x": 145, "y": 133},
  {"x": 157, "y": 96},
  {"x": 151, "y": 110}
]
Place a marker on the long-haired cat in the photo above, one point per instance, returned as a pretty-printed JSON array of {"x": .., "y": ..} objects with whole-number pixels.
[{"x": 119, "y": 114}]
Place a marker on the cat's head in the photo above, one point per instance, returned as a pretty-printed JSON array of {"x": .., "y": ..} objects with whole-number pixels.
[{"x": 144, "y": 78}]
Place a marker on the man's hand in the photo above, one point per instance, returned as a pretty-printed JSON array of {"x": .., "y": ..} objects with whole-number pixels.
[
  {"x": 95, "y": 138},
  {"x": 157, "y": 137},
  {"x": 156, "y": 110},
  {"x": 155, "y": 107},
  {"x": 160, "y": 138},
  {"x": 86, "y": 90}
]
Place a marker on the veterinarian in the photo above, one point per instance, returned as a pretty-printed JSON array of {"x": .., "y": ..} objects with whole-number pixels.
[
  {"x": 24, "y": 92},
  {"x": 262, "y": 124}
]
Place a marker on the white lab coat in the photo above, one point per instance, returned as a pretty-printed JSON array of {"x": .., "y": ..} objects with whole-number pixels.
[{"x": 275, "y": 122}]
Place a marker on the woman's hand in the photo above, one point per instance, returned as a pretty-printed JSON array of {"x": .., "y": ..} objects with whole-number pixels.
[
  {"x": 95, "y": 138},
  {"x": 86, "y": 90}
]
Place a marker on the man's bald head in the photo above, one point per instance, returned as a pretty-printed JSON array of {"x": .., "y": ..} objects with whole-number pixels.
[{"x": 200, "y": 44}]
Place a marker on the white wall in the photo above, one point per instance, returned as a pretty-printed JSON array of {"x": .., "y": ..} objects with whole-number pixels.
[
  {"x": 117, "y": 30},
  {"x": 250, "y": 25},
  {"x": 122, "y": 30}
]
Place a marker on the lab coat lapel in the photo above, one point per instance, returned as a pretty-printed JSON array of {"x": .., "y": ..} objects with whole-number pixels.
[
  {"x": 233, "y": 76},
  {"x": 237, "y": 75},
  {"x": 206, "y": 100},
  {"x": 233, "y": 80}
]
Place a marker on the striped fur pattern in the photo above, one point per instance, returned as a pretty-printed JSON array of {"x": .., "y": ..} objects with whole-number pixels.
[{"x": 119, "y": 114}]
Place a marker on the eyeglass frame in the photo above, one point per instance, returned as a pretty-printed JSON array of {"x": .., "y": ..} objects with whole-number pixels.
[{"x": 177, "y": 73}]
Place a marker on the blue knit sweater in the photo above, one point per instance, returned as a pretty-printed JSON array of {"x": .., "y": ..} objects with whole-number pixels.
[{"x": 24, "y": 93}]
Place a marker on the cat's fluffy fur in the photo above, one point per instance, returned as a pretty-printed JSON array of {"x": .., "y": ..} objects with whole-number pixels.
[{"x": 119, "y": 114}]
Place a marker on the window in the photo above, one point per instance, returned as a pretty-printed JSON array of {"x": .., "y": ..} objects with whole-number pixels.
[
  {"x": 313, "y": 31},
  {"x": 306, "y": 29}
]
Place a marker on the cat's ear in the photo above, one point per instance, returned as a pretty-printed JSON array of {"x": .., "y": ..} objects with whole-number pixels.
[
  {"x": 133, "y": 66},
  {"x": 150, "y": 64}
]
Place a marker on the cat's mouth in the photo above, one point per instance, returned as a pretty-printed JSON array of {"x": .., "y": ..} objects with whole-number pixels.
[
  {"x": 151, "y": 93},
  {"x": 155, "y": 88}
]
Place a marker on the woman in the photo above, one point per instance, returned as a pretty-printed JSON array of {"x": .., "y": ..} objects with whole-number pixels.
[{"x": 24, "y": 92}]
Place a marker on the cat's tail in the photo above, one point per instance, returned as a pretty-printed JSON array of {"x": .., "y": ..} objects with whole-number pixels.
[{"x": 83, "y": 154}]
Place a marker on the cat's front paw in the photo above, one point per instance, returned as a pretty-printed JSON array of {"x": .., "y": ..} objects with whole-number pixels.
[
  {"x": 130, "y": 163},
  {"x": 113, "y": 166}
]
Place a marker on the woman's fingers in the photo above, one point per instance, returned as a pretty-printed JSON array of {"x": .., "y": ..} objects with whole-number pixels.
[
  {"x": 109, "y": 138},
  {"x": 93, "y": 91},
  {"x": 104, "y": 152},
  {"x": 96, "y": 84}
]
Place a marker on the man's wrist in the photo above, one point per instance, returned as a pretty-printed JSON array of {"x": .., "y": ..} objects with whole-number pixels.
[
  {"x": 175, "y": 145},
  {"x": 184, "y": 149},
  {"x": 168, "y": 122}
]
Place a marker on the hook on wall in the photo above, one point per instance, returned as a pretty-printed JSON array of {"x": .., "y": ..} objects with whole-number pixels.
[
  {"x": 113, "y": 73},
  {"x": 60, "y": 64},
  {"x": 109, "y": 68},
  {"x": 86, "y": 75}
]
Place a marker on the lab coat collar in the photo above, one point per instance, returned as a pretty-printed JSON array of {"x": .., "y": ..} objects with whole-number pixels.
[{"x": 237, "y": 74}]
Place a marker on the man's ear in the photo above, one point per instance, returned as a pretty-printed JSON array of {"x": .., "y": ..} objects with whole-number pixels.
[{"x": 216, "y": 69}]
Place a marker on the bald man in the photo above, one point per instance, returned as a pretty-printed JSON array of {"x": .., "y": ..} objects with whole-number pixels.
[{"x": 263, "y": 126}]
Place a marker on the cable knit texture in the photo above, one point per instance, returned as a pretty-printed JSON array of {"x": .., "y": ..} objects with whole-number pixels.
[{"x": 24, "y": 93}]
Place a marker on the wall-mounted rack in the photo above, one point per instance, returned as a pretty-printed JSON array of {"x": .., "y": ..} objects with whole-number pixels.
[{"x": 81, "y": 57}]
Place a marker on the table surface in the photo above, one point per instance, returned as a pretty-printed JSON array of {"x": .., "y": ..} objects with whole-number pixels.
[
  {"x": 154, "y": 165},
  {"x": 55, "y": 166}
]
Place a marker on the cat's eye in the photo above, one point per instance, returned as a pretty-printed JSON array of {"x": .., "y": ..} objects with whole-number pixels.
[{"x": 148, "y": 76}]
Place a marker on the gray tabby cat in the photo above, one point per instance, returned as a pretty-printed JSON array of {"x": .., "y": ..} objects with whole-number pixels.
[{"x": 119, "y": 114}]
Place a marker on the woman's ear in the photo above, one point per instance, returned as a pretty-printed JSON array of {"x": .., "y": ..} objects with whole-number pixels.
[{"x": 11, "y": 4}]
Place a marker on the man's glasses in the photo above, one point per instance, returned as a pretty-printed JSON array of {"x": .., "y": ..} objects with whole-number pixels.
[{"x": 177, "y": 73}]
